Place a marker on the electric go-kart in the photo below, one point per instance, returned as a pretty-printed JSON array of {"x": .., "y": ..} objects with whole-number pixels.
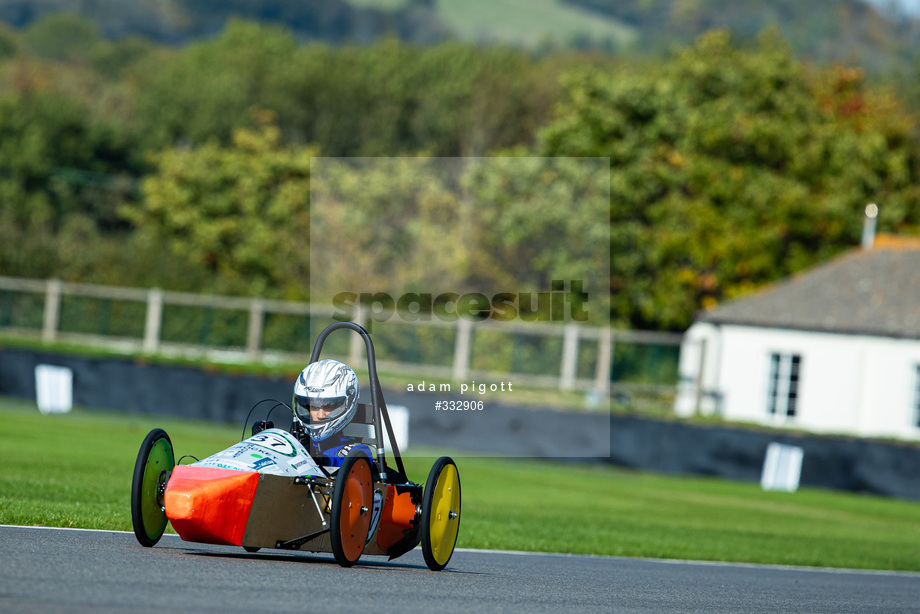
[{"x": 268, "y": 492}]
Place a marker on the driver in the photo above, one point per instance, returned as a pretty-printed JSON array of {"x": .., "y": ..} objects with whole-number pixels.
[{"x": 326, "y": 400}]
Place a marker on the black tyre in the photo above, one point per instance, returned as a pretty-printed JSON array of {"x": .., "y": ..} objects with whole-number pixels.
[
  {"x": 440, "y": 513},
  {"x": 352, "y": 501},
  {"x": 155, "y": 461}
]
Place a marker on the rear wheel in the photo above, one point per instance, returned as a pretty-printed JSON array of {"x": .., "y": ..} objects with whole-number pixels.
[
  {"x": 155, "y": 461},
  {"x": 352, "y": 502},
  {"x": 440, "y": 513}
]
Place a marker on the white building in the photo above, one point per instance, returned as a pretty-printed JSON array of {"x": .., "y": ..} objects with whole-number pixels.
[{"x": 835, "y": 349}]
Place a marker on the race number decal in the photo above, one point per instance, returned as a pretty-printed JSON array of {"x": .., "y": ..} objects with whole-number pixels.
[
  {"x": 274, "y": 442},
  {"x": 272, "y": 451}
]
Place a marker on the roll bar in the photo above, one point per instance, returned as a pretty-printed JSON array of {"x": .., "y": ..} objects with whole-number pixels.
[{"x": 379, "y": 405}]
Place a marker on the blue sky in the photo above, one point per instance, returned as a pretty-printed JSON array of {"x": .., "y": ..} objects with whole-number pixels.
[{"x": 910, "y": 6}]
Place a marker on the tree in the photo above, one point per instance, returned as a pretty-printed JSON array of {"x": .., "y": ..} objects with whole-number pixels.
[
  {"x": 205, "y": 91},
  {"x": 391, "y": 99},
  {"x": 541, "y": 224},
  {"x": 731, "y": 168},
  {"x": 9, "y": 42},
  {"x": 64, "y": 175},
  {"x": 493, "y": 226},
  {"x": 241, "y": 211},
  {"x": 56, "y": 161},
  {"x": 64, "y": 37}
]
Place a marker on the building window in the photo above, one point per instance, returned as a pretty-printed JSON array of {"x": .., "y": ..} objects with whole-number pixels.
[{"x": 783, "y": 388}]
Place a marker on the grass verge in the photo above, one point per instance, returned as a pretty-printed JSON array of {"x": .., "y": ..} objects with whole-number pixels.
[{"x": 74, "y": 470}]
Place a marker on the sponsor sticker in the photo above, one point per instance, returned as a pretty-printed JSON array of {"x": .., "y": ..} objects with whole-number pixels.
[{"x": 262, "y": 462}]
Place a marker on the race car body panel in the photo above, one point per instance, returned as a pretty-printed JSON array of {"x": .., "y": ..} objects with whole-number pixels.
[
  {"x": 272, "y": 451},
  {"x": 286, "y": 512},
  {"x": 399, "y": 521}
]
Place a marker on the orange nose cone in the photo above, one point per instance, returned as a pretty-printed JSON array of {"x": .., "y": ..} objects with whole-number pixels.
[{"x": 210, "y": 505}]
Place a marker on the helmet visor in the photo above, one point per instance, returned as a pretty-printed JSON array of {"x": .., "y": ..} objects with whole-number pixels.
[{"x": 322, "y": 410}]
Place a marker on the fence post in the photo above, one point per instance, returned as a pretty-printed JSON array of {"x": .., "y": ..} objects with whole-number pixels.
[
  {"x": 604, "y": 357},
  {"x": 52, "y": 310},
  {"x": 254, "y": 332},
  {"x": 569, "y": 357},
  {"x": 154, "y": 320},
  {"x": 462, "y": 349},
  {"x": 356, "y": 342}
]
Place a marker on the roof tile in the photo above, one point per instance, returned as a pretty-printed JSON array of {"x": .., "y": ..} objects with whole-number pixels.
[{"x": 873, "y": 292}]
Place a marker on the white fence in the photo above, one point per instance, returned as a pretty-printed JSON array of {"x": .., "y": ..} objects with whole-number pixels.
[{"x": 583, "y": 362}]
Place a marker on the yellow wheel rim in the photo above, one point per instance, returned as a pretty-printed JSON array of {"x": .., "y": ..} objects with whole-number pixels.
[{"x": 444, "y": 522}]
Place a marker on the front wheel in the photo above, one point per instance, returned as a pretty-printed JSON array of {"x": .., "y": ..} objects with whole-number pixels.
[
  {"x": 440, "y": 513},
  {"x": 155, "y": 461},
  {"x": 352, "y": 502}
]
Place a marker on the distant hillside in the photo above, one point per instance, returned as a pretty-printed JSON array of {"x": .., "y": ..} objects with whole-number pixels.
[
  {"x": 179, "y": 21},
  {"x": 866, "y": 32},
  {"x": 823, "y": 30},
  {"x": 533, "y": 23}
]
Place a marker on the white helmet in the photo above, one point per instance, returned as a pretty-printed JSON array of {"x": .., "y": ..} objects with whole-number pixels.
[{"x": 332, "y": 386}]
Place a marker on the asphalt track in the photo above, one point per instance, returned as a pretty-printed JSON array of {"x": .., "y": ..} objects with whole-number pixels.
[{"x": 61, "y": 570}]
